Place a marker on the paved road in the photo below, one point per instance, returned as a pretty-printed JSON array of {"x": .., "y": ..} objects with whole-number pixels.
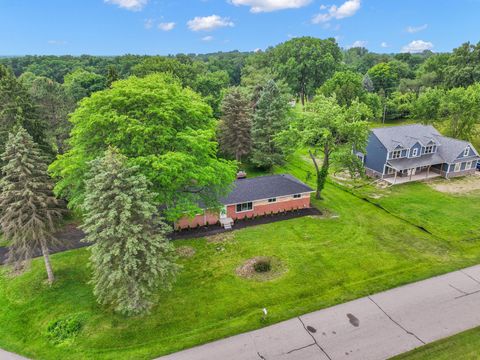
[
  {"x": 375, "y": 327},
  {"x": 4, "y": 355}
]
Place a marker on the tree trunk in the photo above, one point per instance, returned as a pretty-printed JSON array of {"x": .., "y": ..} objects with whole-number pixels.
[
  {"x": 238, "y": 157},
  {"x": 321, "y": 172},
  {"x": 48, "y": 266}
]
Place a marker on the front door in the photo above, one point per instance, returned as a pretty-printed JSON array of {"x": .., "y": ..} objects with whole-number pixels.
[{"x": 223, "y": 213}]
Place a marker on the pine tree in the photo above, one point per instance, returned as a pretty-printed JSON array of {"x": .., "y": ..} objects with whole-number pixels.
[
  {"x": 235, "y": 130},
  {"x": 271, "y": 117},
  {"x": 29, "y": 212},
  {"x": 16, "y": 107},
  {"x": 112, "y": 75},
  {"x": 131, "y": 257}
]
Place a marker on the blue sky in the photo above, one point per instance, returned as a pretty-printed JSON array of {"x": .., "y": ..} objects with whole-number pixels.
[{"x": 115, "y": 27}]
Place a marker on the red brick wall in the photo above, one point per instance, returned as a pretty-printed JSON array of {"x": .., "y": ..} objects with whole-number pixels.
[
  {"x": 259, "y": 210},
  {"x": 198, "y": 220}
]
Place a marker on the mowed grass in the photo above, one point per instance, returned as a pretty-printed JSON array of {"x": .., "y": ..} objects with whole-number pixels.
[
  {"x": 464, "y": 346},
  {"x": 328, "y": 261}
]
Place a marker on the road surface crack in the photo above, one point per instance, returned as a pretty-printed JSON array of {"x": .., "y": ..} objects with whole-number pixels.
[
  {"x": 467, "y": 294},
  {"x": 301, "y": 348},
  {"x": 459, "y": 290},
  {"x": 261, "y": 356},
  {"x": 396, "y": 323},
  {"x": 471, "y": 277},
  {"x": 314, "y": 340}
]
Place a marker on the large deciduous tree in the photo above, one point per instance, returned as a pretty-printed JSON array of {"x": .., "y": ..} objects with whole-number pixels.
[
  {"x": 270, "y": 119},
  {"x": 130, "y": 256},
  {"x": 29, "y": 212},
  {"x": 463, "y": 66},
  {"x": 166, "y": 130},
  {"x": 305, "y": 63},
  {"x": 235, "y": 127},
  {"x": 345, "y": 85},
  {"x": 82, "y": 83},
  {"x": 462, "y": 109},
  {"x": 327, "y": 128}
]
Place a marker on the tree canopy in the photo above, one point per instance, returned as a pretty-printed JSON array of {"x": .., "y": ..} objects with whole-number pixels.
[
  {"x": 305, "y": 63},
  {"x": 166, "y": 130}
]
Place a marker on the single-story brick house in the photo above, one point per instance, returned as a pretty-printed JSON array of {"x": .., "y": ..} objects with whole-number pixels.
[
  {"x": 405, "y": 153},
  {"x": 252, "y": 197}
]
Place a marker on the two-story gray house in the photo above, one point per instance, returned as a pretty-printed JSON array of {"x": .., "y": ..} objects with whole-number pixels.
[{"x": 415, "y": 152}]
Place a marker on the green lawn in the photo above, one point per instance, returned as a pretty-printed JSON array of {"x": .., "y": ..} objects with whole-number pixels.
[
  {"x": 464, "y": 346},
  {"x": 3, "y": 242},
  {"x": 328, "y": 261}
]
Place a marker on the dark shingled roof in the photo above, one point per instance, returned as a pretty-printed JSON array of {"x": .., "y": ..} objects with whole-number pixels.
[{"x": 264, "y": 187}]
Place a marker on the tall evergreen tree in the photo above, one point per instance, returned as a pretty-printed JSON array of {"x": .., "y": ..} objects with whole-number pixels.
[
  {"x": 235, "y": 129},
  {"x": 16, "y": 107},
  {"x": 112, "y": 75},
  {"x": 270, "y": 118},
  {"x": 29, "y": 212},
  {"x": 130, "y": 256}
]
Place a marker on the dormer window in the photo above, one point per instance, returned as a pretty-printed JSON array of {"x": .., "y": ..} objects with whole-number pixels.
[
  {"x": 415, "y": 152},
  {"x": 429, "y": 149},
  {"x": 396, "y": 154},
  {"x": 467, "y": 151}
]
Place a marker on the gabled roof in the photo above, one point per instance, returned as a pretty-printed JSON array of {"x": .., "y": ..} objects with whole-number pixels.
[
  {"x": 264, "y": 187},
  {"x": 452, "y": 148},
  {"x": 406, "y": 135}
]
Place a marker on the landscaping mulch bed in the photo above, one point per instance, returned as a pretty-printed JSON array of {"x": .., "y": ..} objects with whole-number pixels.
[
  {"x": 241, "y": 224},
  {"x": 247, "y": 269},
  {"x": 71, "y": 236}
]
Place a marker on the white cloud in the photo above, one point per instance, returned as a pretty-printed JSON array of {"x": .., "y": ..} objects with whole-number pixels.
[
  {"x": 257, "y": 6},
  {"x": 132, "y": 5},
  {"x": 209, "y": 23},
  {"x": 57, "y": 42},
  {"x": 347, "y": 9},
  {"x": 148, "y": 24},
  {"x": 384, "y": 45},
  {"x": 415, "y": 29},
  {"x": 417, "y": 46},
  {"x": 207, "y": 38},
  {"x": 358, "y": 43},
  {"x": 166, "y": 26}
]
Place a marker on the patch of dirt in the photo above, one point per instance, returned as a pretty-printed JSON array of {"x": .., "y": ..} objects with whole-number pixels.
[
  {"x": 325, "y": 214},
  {"x": 221, "y": 238},
  {"x": 185, "y": 251},
  {"x": 247, "y": 269},
  {"x": 458, "y": 186}
]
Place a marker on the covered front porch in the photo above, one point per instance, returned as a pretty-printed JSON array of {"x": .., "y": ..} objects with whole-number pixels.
[
  {"x": 400, "y": 171},
  {"x": 423, "y": 175}
]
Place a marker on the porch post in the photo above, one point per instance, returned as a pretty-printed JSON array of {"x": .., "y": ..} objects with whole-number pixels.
[
  {"x": 395, "y": 178},
  {"x": 428, "y": 171},
  {"x": 410, "y": 175}
]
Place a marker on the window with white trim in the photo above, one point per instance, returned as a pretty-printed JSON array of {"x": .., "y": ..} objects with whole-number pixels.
[
  {"x": 429, "y": 149},
  {"x": 248, "y": 206},
  {"x": 297, "y": 196},
  {"x": 415, "y": 152},
  {"x": 390, "y": 170},
  {"x": 272, "y": 200},
  {"x": 457, "y": 168},
  {"x": 467, "y": 151},
  {"x": 468, "y": 165},
  {"x": 396, "y": 154}
]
